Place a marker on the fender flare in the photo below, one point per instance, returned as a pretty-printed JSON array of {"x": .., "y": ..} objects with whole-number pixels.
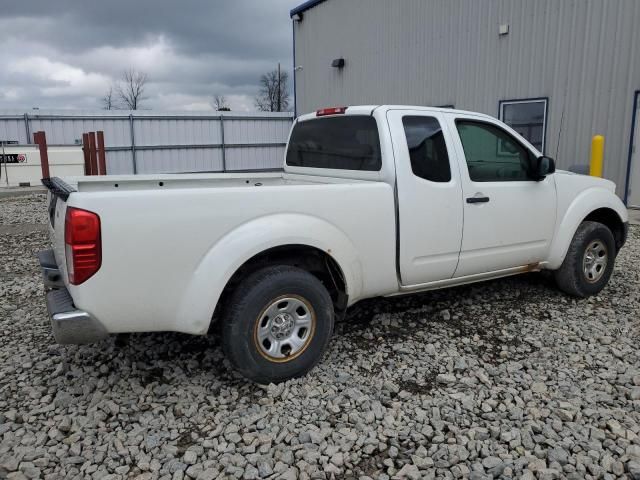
[
  {"x": 586, "y": 202},
  {"x": 246, "y": 241}
]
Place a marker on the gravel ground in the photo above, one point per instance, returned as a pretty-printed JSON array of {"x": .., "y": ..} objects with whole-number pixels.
[{"x": 507, "y": 379}]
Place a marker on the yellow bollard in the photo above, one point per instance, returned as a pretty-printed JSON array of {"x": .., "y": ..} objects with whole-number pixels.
[{"x": 597, "y": 156}]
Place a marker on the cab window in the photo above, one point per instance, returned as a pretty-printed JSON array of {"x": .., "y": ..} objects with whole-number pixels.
[
  {"x": 492, "y": 154},
  {"x": 349, "y": 142},
  {"x": 427, "y": 148}
]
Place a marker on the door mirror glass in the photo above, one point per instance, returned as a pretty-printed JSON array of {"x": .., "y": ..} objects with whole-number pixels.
[{"x": 544, "y": 166}]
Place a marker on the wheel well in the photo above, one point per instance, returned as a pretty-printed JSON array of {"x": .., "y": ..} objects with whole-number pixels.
[
  {"x": 315, "y": 261},
  {"x": 612, "y": 220}
]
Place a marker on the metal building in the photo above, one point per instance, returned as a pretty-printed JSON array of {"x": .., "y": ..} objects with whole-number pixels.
[
  {"x": 162, "y": 142},
  {"x": 559, "y": 72}
]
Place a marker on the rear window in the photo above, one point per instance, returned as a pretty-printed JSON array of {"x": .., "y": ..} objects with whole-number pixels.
[{"x": 345, "y": 143}]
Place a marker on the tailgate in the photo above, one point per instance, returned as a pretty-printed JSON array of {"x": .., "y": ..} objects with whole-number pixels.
[{"x": 59, "y": 192}]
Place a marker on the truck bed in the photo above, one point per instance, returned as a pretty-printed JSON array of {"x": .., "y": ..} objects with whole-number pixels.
[{"x": 171, "y": 242}]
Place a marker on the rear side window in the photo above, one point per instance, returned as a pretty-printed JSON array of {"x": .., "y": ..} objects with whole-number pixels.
[
  {"x": 346, "y": 143},
  {"x": 427, "y": 148}
]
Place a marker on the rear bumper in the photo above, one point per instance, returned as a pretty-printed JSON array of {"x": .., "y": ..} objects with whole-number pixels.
[
  {"x": 51, "y": 276},
  {"x": 70, "y": 325}
]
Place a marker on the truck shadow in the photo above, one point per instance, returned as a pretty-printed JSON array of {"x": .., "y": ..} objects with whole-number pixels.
[
  {"x": 482, "y": 320},
  {"x": 478, "y": 312},
  {"x": 362, "y": 313}
]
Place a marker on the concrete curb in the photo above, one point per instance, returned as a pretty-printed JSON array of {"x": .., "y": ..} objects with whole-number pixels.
[{"x": 6, "y": 192}]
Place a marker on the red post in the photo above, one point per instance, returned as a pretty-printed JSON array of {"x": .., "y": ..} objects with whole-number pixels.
[
  {"x": 93, "y": 158},
  {"x": 41, "y": 140},
  {"x": 102, "y": 158},
  {"x": 85, "y": 152}
]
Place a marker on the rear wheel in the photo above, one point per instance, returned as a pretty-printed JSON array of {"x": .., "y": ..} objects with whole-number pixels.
[
  {"x": 278, "y": 324},
  {"x": 589, "y": 262}
]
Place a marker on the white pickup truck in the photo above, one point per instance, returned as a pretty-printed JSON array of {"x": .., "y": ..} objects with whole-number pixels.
[{"x": 373, "y": 201}]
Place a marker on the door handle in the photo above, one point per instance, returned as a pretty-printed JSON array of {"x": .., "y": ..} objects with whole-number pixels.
[{"x": 477, "y": 199}]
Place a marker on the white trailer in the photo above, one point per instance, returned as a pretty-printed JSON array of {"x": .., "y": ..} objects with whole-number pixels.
[{"x": 20, "y": 165}]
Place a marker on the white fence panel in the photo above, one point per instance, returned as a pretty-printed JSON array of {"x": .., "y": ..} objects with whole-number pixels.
[
  {"x": 12, "y": 130},
  {"x": 68, "y": 131},
  {"x": 254, "y": 158},
  {"x": 256, "y": 131},
  {"x": 179, "y": 160},
  {"x": 156, "y": 142},
  {"x": 176, "y": 131},
  {"x": 119, "y": 163}
]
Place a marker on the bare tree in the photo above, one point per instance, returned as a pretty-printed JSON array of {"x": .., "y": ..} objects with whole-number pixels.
[
  {"x": 273, "y": 95},
  {"x": 109, "y": 101},
  {"x": 220, "y": 103},
  {"x": 131, "y": 88}
]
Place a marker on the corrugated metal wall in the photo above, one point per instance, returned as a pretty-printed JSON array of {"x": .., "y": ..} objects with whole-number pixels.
[
  {"x": 584, "y": 55},
  {"x": 163, "y": 142}
]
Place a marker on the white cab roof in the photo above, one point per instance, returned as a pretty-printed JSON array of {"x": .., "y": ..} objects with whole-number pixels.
[{"x": 368, "y": 110}]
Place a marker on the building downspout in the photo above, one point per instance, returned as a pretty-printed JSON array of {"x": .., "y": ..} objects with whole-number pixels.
[{"x": 295, "y": 96}]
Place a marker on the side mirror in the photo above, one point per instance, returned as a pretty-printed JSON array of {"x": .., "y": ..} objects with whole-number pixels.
[{"x": 543, "y": 166}]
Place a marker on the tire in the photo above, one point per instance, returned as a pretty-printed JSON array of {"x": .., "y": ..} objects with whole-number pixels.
[
  {"x": 256, "y": 316},
  {"x": 578, "y": 275}
]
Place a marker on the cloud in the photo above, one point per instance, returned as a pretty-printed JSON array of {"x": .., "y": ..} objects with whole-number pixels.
[
  {"x": 65, "y": 54},
  {"x": 60, "y": 79}
]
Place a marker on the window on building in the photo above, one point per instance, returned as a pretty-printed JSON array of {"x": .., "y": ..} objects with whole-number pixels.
[
  {"x": 427, "y": 148},
  {"x": 350, "y": 142},
  {"x": 528, "y": 118},
  {"x": 492, "y": 154}
]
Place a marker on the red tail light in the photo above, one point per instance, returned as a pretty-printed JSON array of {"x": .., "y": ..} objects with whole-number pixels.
[
  {"x": 330, "y": 111},
  {"x": 83, "y": 247}
]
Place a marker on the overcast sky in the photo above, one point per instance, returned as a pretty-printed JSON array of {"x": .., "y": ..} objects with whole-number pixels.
[{"x": 65, "y": 54}]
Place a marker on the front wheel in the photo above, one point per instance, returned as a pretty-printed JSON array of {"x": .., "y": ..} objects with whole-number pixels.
[
  {"x": 278, "y": 324},
  {"x": 589, "y": 262}
]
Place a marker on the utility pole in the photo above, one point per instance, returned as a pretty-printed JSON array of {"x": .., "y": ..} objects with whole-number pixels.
[
  {"x": 5, "y": 160},
  {"x": 278, "y": 102}
]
